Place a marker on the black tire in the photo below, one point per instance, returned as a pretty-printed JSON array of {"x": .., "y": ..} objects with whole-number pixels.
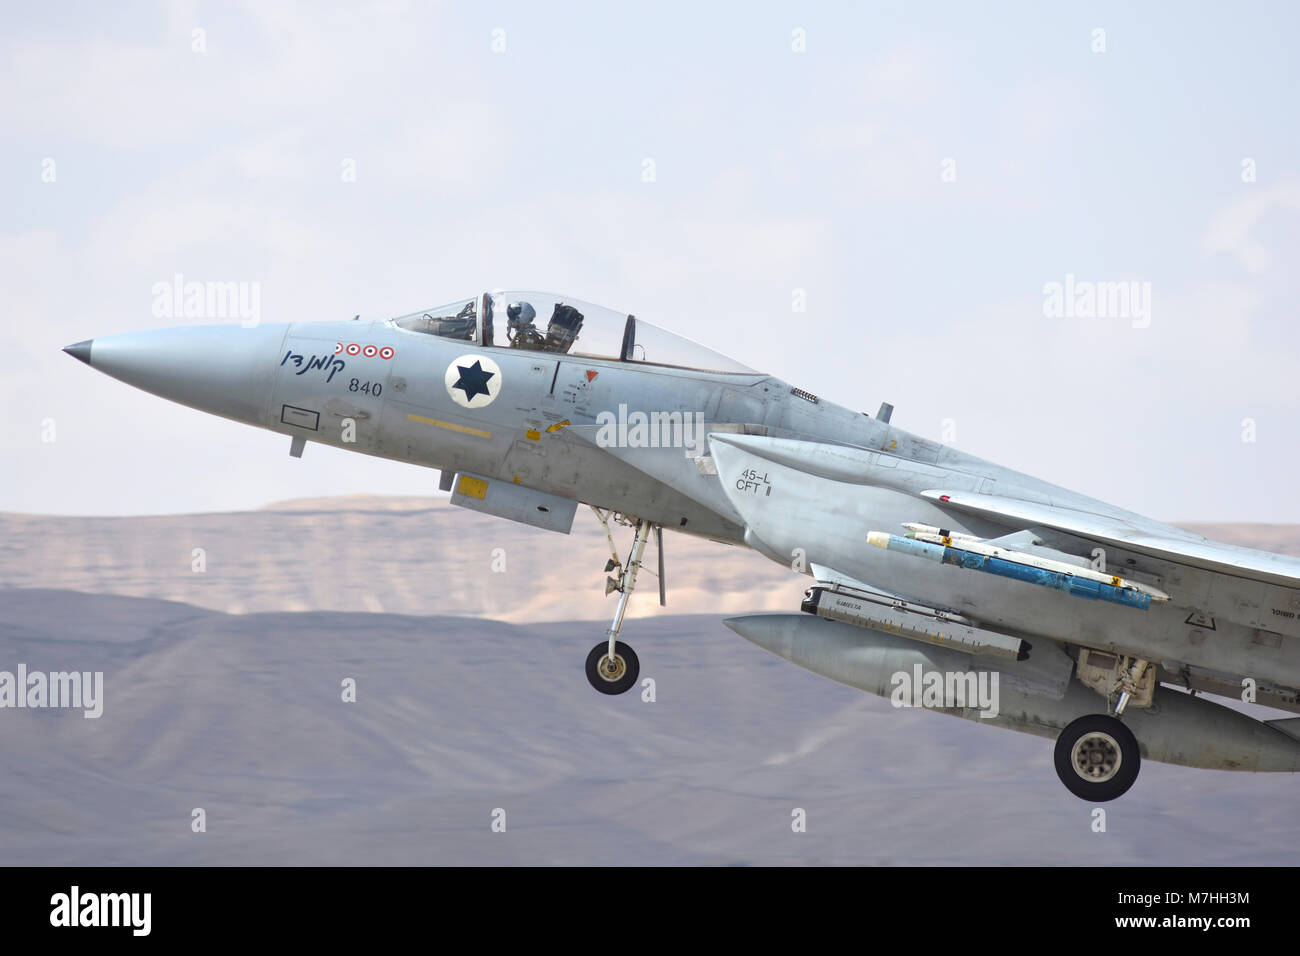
[
  {"x": 1092, "y": 772},
  {"x": 600, "y": 679}
]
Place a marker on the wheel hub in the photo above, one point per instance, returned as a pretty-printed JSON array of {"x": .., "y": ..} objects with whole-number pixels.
[
  {"x": 612, "y": 669},
  {"x": 1096, "y": 757}
]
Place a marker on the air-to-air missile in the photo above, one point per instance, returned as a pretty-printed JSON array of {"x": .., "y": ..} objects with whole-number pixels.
[{"x": 967, "y": 551}]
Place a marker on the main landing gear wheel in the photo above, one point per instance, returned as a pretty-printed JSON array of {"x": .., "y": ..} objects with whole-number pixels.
[
  {"x": 1097, "y": 758},
  {"x": 616, "y": 675}
]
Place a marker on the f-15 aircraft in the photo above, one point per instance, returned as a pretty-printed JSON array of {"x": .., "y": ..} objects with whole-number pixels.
[{"x": 938, "y": 579}]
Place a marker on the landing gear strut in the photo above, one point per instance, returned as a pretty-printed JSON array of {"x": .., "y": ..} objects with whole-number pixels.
[
  {"x": 612, "y": 666},
  {"x": 1097, "y": 758}
]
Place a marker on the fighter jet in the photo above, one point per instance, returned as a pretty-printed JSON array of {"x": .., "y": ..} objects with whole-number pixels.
[{"x": 938, "y": 579}]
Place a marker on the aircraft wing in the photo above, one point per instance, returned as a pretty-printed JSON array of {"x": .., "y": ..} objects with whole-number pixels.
[
  {"x": 829, "y": 490},
  {"x": 1179, "y": 548}
]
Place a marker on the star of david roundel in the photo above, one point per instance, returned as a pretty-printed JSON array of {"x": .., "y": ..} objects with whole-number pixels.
[{"x": 473, "y": 381}]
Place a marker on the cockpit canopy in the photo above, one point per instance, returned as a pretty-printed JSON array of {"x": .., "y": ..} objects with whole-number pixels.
[{"x": 544, "y": 322}]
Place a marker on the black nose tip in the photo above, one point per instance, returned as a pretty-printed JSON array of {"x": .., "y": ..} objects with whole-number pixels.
[{"x": 81, "y": 350}]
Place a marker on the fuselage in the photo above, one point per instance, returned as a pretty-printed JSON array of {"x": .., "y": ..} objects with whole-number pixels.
[{"x": 384, "y": 390}]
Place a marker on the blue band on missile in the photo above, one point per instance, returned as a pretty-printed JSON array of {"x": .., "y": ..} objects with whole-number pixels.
[{"x": 1059, "y": 580}]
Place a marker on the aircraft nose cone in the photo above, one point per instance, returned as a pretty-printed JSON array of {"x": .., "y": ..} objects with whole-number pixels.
[
  {"x": 225, "y": 370},
  {"x": 81, "y": 351}
]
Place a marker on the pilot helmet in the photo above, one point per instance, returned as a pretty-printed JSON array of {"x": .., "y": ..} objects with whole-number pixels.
[{"x": 520, "y": 315}]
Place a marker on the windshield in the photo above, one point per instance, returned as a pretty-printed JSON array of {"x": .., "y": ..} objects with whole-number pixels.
[
  {"x": 545, "y": 322},
  {"x": 455, "y": 321}
]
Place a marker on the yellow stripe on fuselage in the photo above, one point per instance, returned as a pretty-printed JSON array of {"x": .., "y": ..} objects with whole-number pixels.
[{"x": 465, "y": 429}]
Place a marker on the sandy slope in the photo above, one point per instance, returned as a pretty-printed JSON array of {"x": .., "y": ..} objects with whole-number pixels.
[{"x": 364, "y": 553}]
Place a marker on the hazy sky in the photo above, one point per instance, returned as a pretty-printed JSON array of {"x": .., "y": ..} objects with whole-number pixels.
[{"x": 919, "y": 171}]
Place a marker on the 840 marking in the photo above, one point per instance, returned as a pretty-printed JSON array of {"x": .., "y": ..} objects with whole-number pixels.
[{"x": 369, "y": 388}]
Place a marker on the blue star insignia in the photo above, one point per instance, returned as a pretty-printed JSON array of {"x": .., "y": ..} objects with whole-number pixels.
[{"x": 473, "y": 380}]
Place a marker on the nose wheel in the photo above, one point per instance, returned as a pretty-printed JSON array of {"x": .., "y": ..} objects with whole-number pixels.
[
  {"x": 613, "y": 675},
  {"x": 1097, "y": 758}
]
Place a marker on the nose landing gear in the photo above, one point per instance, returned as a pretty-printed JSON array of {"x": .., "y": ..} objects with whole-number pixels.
[{"x": 612, "y": 666}]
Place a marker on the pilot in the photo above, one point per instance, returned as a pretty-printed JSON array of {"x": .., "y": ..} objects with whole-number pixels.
[{"x": 519, "y": 326}]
